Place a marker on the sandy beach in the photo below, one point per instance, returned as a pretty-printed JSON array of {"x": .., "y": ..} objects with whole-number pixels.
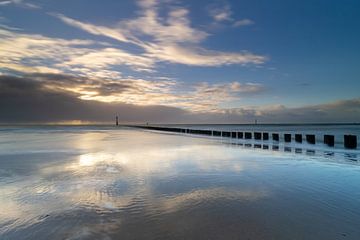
[{"x": 106, "y": 183}]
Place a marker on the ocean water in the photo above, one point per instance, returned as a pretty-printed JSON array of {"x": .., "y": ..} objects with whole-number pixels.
[{"x": 104, "y": 182}]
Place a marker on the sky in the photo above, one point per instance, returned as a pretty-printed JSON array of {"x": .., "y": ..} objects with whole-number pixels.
[{"x": 179, "y": 61}]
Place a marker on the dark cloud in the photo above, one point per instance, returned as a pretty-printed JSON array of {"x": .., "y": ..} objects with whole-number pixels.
[
  {"x": 102, "y": 86},
  {"x": 26, "y": 99}
]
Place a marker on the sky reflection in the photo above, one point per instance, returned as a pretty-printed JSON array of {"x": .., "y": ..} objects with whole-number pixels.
[{"x": 111, "y": 180}]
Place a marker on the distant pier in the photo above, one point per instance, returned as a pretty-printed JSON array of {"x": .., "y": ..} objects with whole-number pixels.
[{"x": 350, "y": 141}]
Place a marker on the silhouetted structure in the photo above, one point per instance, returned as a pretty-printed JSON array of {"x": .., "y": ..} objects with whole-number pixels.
[
  {"x": 275, "y": 136},
  {"x": 350, "y": 141},
  {"x": 310, "y": 138},
  {"x": 265, "y": 136},
  {"x": 257, "y": 135},
  {"x": 329, "y": 140},
  {"x": 117, "y": 121},
  {"x": 298, "y": 138},
  {"x": 248, "y": 135},
  {"x": 287, "y": 137}
]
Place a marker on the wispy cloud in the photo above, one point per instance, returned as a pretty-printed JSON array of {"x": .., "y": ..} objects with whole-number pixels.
[
  {"x": 221, "y": 13},
  {"x": 110, "y": 57},
  {"x": 243, "y": 22},
  {"x": 197, "y": 56},
  {"x": 37, "y": 53},
  {"x": 203, "y": 97},
  {"x": 207, "y": 97},
  {"x": 172, "y": 38},
  {"x": 20, "y": 3},
  {"x": 20, "y": 51},
  {"x": 93, "y": 29},
  {"x": 89, "y": 70}
]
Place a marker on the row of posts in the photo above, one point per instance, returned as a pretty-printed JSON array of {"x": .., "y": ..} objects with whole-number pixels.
[{"x": 350, "y": 141}]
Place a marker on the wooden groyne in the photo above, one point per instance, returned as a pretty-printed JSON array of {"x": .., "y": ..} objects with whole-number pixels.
[{"x": 350, "y": 141}]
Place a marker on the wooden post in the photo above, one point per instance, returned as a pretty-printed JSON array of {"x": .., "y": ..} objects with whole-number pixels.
[
  {"x": 287, "y": 137},
  {"x": 226, "y": 134},
  {"x": 275, "y": 137},
  {"x": 310, "y": 138},
  {"x": 329, "y": 140},
  {"x": 350, "y": 141},
  {"x": 217, "y": 133},
  {"x": 298, "y": 138},
  {"x": 265, "y": 136},
  {"x": 257, "y": 135},
  {"x": 117, "y": 120}
]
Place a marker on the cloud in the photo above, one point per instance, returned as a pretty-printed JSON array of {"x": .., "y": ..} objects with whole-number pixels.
[
  {"x": 93, "y": 29},
  {"x": 25, "y": 100},
  {"x": 202, "y": 97},
  {"x": 123, "y": 90},
  {"x": 208, "y": 97},
  {"x": 110, "y": 57},
  {"x": 76, "y": 67},
  {"x": 341, "y": 111},
  {"x": 32, "y": 99},
  {"x": 20, "y": 3},
  {"x": 170, "y": 38},
  {"x": 37, "y": 53},
  {"x": 221, "y": 13},
  {"x": 196, "y": 56},
  {"x": 243, "y": 22}
]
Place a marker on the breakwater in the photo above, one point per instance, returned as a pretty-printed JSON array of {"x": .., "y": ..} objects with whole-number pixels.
[{"x": 349, "y": 141}]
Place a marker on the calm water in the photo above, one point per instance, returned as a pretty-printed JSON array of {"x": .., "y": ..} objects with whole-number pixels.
[{"x": 107, "y": 183}]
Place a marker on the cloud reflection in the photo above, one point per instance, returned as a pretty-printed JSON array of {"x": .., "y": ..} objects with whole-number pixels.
[{"x": 118, "y": 175}]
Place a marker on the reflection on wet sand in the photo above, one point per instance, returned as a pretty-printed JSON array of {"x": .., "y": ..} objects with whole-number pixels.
[
  {"x": 131, "y": 184},
  {"x": 339, "y": 156}
]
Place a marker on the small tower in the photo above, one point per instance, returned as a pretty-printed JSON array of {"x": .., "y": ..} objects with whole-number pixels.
[{"x": 117, "y": 121}]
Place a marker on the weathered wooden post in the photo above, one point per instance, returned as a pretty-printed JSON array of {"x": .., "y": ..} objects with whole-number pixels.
[
  {"x": 226, "y": 134},
  {"x": 329, "y": 140},
  {"x": 287, "y": 137},
  {"x": 298, "y": 138},
  {"x": 217, "y": 133},
  {"x": 310, "y": 138},
  {"x": 275, "y": 137},
  {"x": 257, "y": 135},
  {"x": 350, "y": 141},
  {"x": 265, "y": 136}
]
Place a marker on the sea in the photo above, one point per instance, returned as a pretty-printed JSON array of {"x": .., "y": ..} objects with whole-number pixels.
[{"x": 121, "y": 182}]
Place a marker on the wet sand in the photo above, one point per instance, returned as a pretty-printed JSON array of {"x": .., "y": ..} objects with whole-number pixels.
[{"x": 104, "y": 183}]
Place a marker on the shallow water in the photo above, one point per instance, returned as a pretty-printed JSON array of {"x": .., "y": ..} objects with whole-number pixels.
[{"x": 107, "y": 183}]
